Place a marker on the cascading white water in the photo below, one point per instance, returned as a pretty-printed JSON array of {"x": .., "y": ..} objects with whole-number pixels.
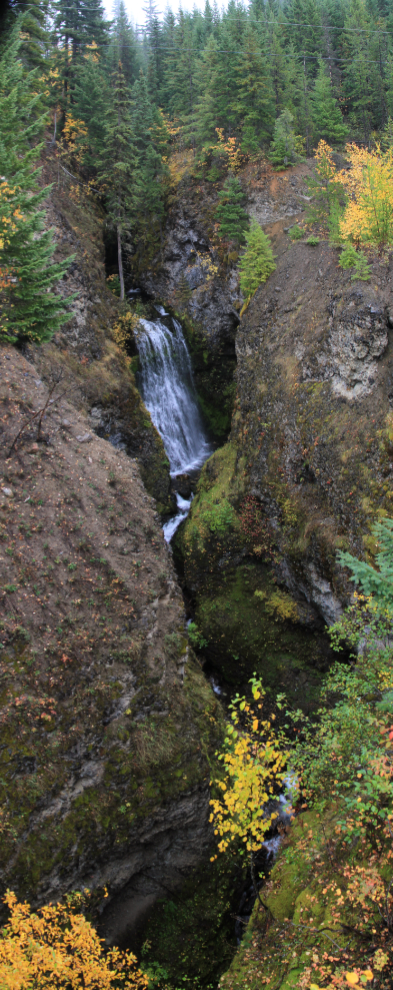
[
  {"x": 169, "y": 394},
  {"x": 168, "y": 391}
]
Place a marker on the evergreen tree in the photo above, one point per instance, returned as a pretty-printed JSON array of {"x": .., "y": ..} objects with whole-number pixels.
[
  {"x": 327, "y": 117},
  {"x": 123, "y": 46},
  {"x": 95, "y": 28},
  {"x": 283, "y": 148},
  {"x": 305, "y": 30},
  {"x": 378, "y": 583},
  {"x": 279, "y": 65},
  {"x": 361, "y": 74},
  {"x": 91, "y": 99},
  {"x": 230, "y": 212},
  {"x": 29, "y": 310},
  {"x": 153, "y": 45},
  {"x": 118, "y": 168},
  {"x": 32, "y": 19},
  {"x": 180, "y": 75},
  {"x": 150, "y": 141},
  {"x": 168, "y": 57},
  {"x": 77, "y": 26},
  {"x": 68, "y": 26},
  {"x": 255, "y": 99},
  {"x": 208, "y": 115},
  {"x": 257, "y": 262}
]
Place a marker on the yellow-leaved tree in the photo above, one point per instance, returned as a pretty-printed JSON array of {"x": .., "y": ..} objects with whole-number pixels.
[
  {"x": 368, "y": 215},
  {"x": 254, "y": 764},
  {"x": 58, "y": 948}
]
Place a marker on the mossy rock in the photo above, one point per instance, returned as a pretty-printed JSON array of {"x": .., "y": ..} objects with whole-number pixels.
[
  {"x": 278, "y": 950},
  {"x": 249, "y": 622}
]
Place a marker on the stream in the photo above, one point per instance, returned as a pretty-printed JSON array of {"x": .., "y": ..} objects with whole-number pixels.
[
  {"x": 166, "y": 384},
  {"x": 167, "y": 388}
]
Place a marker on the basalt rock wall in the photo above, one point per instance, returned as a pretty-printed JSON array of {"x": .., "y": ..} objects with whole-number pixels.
[{"x": 306, "y": 470}]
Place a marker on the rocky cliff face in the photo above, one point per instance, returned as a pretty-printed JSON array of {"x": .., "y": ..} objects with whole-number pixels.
[
  {"x": 189, "y": 277},
  {"x": 308, "y": 465},
  {"x": 85, "y": 346},
  {"x": 106, "y": 719}
]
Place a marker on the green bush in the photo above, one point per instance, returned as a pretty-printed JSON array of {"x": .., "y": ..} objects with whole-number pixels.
[
  {"x": 295, "y": 233},
  {"x": 312, "y": 240},
  {"x": 257, "y": 262},
  {"x": 195, "y": 636},
  {"x": 351, "y": 258}
]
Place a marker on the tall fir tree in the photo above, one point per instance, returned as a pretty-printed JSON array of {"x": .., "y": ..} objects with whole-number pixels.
[
  {"x": 360, "y": 72},
  {"x": 230, "y": 213},
  {"x": 90, "y": 104},
  {"x": 123, "y": 46},
  {"x": 181, "y": 76},
  {"x": 76, "y": 26},
  {"x": 153, "y": 49},
  {"x": 117, "y": 169},
  {"x": 150, "y": 141},
  {"x": 327, "y": 117},
  {"x": 29, "y": 309},
  {"x": 68, "y": 33},
  {"x": 283, "y": 147},
  {"x": 255, "y": 97},
  {"x": 305, "y": 30},
  {"x": 208, "y": 109}
]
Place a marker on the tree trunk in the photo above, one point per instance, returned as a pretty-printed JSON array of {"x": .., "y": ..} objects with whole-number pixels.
[
  {"x": 306, "y": 106},
  {"x": 120, "y": 262}
]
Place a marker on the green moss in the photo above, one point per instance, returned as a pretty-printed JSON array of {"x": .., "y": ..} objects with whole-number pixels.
[
  {"x": 248, "y": 624},
  {"x": 213, "y": 368},
  {"x": 246, "y": 620},
  {"x": 212, "y": 511},
  {"x": 301, "y": 902}
]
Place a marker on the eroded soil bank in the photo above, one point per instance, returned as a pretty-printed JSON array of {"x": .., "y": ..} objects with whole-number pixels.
[{"x": 108, "y": 724}]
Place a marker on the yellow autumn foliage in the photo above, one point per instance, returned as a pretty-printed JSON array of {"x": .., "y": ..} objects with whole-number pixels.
[
  {"x": 254, "y": 764},
  {"x": 325, "y": 167},
  {"x": 11, "y": 216},
  {"x": 124, "y": 327},
  {"x": 368, "y": 215},
  {"x": 57, "y": 947}
]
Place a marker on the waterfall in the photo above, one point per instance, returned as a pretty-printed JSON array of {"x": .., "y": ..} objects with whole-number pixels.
[{"x": 168, "y": 391}]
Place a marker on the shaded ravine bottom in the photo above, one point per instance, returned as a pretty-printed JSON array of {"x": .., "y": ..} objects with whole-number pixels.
[{"x": 190, "y": 937}]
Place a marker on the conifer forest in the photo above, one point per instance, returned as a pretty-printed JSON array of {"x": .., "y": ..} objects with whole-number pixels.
[{"x": 196, "y": 485}]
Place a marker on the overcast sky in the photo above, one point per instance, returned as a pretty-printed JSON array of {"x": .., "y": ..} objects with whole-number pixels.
[{"x": 135, "y": 7}]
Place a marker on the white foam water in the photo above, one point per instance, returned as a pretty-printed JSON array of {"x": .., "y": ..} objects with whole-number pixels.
[
  {"x": 169, "y": 528},
  {"x": 169, "y": 394},
  {"x": 168, "y": 391}
]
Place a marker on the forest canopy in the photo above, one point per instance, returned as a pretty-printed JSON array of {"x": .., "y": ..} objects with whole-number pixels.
[{"x": 232, "y": 85}]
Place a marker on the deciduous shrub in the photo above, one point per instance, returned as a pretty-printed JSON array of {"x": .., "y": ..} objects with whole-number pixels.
[{"x": 57, "y": 947}]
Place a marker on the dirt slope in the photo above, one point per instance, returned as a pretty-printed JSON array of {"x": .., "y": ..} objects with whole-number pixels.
[{"x": 103, "y": 721}]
